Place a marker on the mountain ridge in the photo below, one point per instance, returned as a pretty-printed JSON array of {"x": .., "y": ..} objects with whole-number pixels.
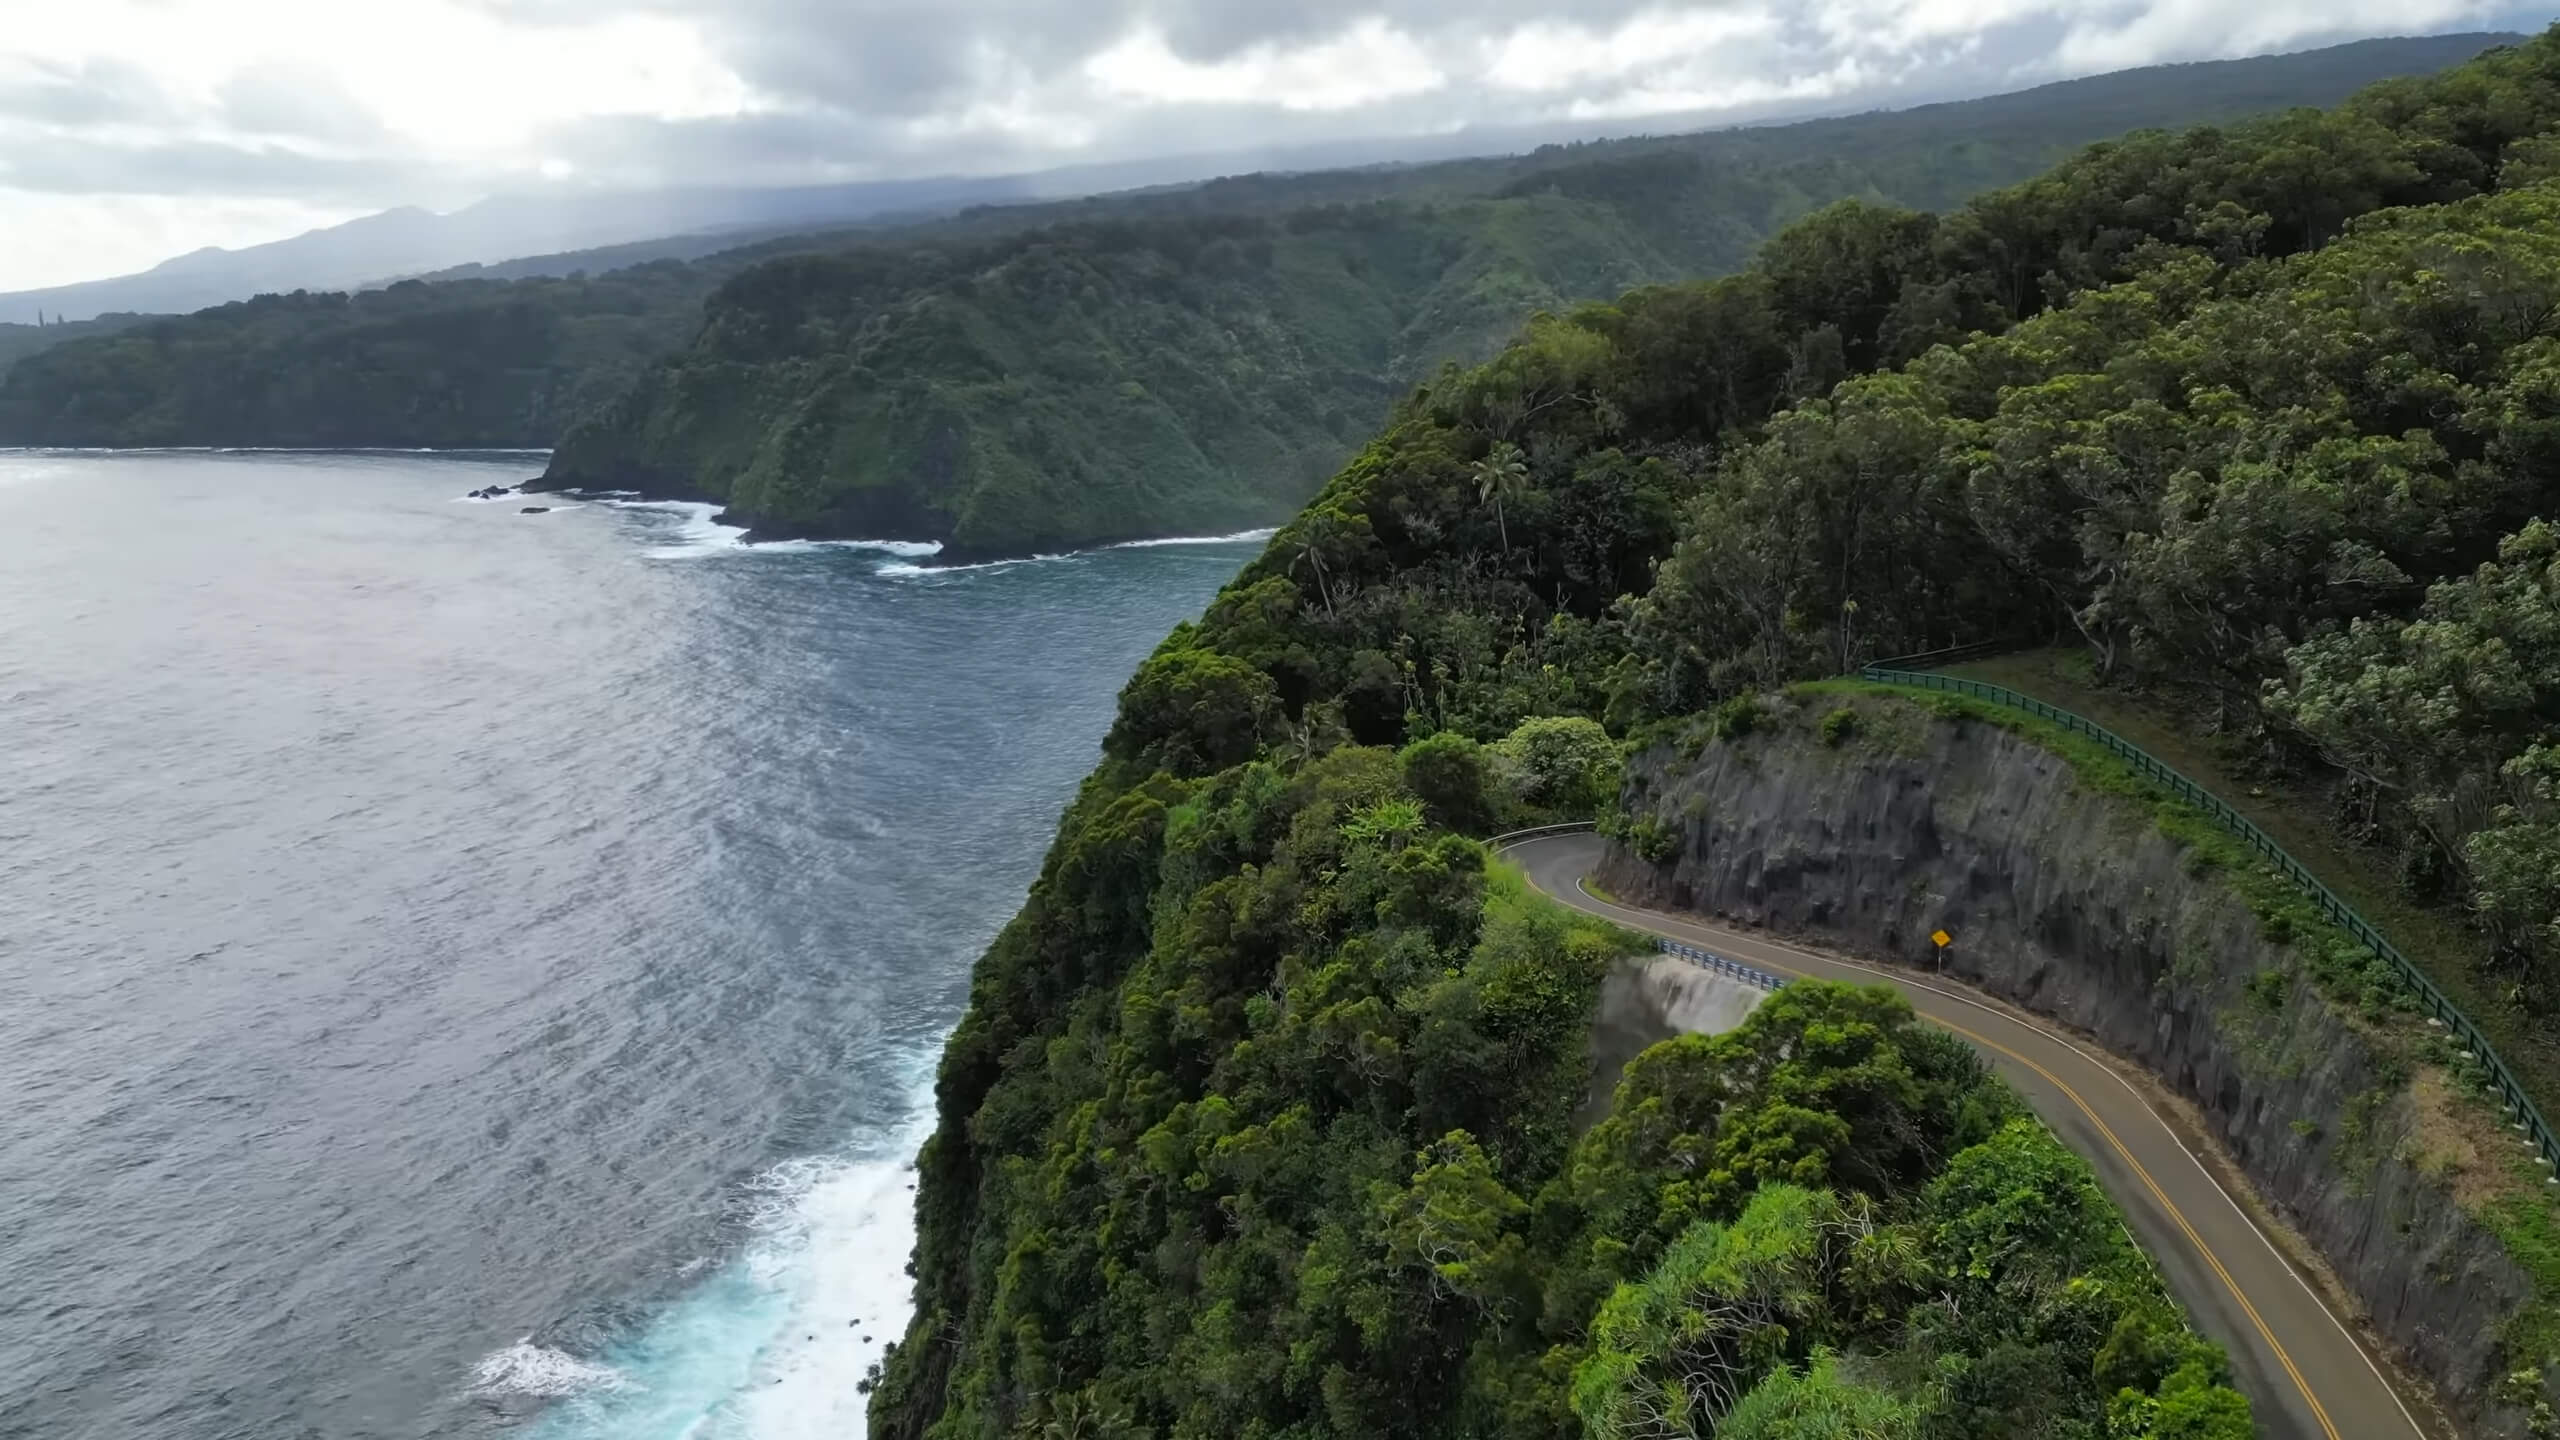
[
  {"x": 827, "y": 406},
  {"x": 544, "y": 235}
]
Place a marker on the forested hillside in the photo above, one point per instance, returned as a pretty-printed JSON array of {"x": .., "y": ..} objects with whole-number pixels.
[
  {"x": 1090, "y": 382},
  {"x": 20, "y": 341},
  {"x": 466, "y": 364},
  {"x": 1196, "y": 388},
  {"x": 1253, "y": 1125},
  {"x": 1087, "y": 382}
]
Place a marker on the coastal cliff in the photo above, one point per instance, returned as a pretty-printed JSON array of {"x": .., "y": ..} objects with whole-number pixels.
[{"x": 1089, "y": 383}]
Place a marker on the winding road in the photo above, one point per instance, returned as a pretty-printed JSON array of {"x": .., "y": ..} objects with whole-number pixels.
[{"x": 2304, "y": 1372}]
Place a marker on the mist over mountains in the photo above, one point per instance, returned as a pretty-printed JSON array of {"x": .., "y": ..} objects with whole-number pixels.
[{"x": 559, "y": 233}]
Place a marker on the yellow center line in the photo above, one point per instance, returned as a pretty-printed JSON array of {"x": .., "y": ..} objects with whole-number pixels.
[{"x": 2318, "y": 1411}]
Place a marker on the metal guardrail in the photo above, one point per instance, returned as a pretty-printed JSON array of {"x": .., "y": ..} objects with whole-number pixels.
[
  {"x": 1705, "y": 959},
  {"x": 1710, "y": 960},
  {"x": 2478, "y": 1050},
  {"x": 1514, "y": 837}
]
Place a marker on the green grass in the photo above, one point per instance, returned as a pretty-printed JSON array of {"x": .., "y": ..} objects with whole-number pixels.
[{"x": 1506, "y": 886}]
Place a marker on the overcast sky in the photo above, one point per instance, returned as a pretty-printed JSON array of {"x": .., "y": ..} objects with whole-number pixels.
[{"x": 132, "y": 130}]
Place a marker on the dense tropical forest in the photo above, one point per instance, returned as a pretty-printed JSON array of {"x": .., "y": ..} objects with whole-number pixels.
[
  {"x": 1089, "y": 382},
  {"x": 460, "y": 365},
  {"x": 1258, "y": 1120},
  {"x": 20, "y": 341},
  {"x": 1179, "y": 369},
  {"x": 1018, "y": 377}
]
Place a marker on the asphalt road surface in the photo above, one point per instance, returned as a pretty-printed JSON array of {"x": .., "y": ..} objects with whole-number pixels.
[{"x": 2306, "y": 1376}]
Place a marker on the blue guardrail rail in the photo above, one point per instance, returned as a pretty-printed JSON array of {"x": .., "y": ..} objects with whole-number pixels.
[{"x": 1710, "y": 960}]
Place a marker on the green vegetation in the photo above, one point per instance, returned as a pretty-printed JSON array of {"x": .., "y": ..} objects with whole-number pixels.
[
  {"x": 1202, "y": 374},
  {"x": 2009, "y": 1266},
  {"x": 2507, "y": 1191},
  {"x": 2353, "y": 975},
  {"x": 2455, "y": 712},
  {"x": 20, "y": 341},
  {"x": 1259, "y": 1121},
  {"x": 1026, "y": 377},
  {"x": 463, "y": 364},
  {"x": 1562, "y": 767},
  {"x": 2306, "y": 493},
  {"x": 2328, "y": 821},
  {"x": 1084, "y": 382},
  {"x": 1274, "y": 1137},
  {"x": 1838, "y": 726}
]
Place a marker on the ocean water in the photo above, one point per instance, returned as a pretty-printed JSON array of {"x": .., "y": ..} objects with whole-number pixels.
[{"x": 465, "y": 972}]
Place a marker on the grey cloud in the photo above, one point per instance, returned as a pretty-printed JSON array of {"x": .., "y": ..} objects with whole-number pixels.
[
  {"x": 910, "y": 58},
  {"x": 865, "y": 89},
  {"x": 107, "y": 128},
  {"x": 81, "y": 165},
  {"x": 885, "y": 57},
  {"x": 1209, "y": 30},
  {"x": 100, "y": 92},
  {"x": 766, "y": 148},
  {"x": 296, "y": 102},
  {"x": 903, "y": 61}
]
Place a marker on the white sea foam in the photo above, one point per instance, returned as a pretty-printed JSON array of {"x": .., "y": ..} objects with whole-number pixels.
[
  {"x": 702, "y": 535},
  {"x": 525, "y": 1368},
  {"x": 900, "y": 569},
  {"x": 698, "y": 535},
  {"x": 774, "y": 1343},
  {"x": 1237, "y": 538},
  {"x": 890, "y": 547}
]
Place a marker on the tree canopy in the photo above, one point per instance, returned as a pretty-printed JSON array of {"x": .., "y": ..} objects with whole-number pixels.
[
  {"x": 1185, "y": 360},
  {"x": 1260, "y": 1120}
]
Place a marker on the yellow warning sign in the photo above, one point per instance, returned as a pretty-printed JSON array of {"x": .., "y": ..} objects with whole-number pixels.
[{"x": 1943, "y": 938}]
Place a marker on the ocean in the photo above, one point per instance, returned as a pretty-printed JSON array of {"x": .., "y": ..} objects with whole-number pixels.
[{"x": 466, "y": 972}]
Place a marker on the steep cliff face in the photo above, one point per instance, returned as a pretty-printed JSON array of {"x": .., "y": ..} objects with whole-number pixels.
[
  {"x": 2077, "y": 905},
  {"x": 1647, "y": 999}
]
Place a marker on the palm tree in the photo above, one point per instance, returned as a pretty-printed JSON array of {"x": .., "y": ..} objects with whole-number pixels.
[
  {"x": 1311, "y": 556},
  {"x": 1502, "y": 474},
  {"x": 1393, "y": 821}
]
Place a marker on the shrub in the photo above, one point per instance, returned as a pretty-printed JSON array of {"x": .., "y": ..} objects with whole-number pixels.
[
  {"x": 1447, "y": 773},
  {"x": 1737, "y": 717},
  {"x": 1561, "y": 763}
]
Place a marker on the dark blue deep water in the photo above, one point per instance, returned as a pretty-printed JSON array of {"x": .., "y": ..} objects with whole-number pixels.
[{"x": 464, "y": 971}]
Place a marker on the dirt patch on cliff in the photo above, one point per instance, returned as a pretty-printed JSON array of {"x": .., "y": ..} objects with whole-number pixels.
[{"x": 2443, "y": 1144}]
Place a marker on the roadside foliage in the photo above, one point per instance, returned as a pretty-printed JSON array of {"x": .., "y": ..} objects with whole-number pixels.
[{"x": 1259, "y": 1121}]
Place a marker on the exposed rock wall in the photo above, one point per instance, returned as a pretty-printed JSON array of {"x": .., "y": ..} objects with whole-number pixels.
[
  {"x": 1648, "y": 999},
  {"x": 2074, "y": 904}
]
